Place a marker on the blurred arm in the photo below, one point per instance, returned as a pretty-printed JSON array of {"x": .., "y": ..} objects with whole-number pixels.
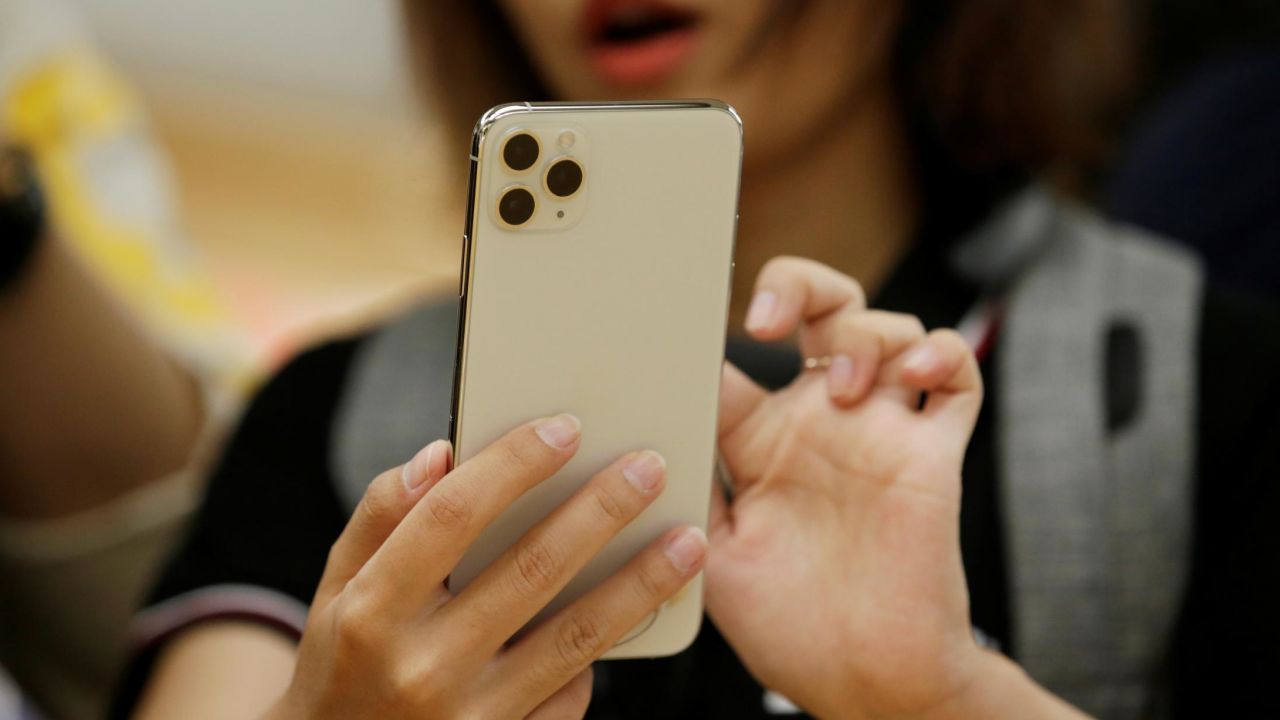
[
  {"x": 219, "y": 670},
  {"x": 91, "y": 407}
]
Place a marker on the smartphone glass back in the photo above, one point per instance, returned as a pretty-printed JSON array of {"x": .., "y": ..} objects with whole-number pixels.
[{"x": 597, "y": 267}]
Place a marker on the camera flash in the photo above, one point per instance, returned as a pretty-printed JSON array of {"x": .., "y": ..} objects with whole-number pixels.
[{"x": 566, "y": 139}]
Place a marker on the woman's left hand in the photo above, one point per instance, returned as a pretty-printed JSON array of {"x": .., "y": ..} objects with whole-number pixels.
[{"x": 835, "y": 571}]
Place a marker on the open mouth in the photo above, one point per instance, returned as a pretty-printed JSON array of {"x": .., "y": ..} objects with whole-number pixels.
[
  {"x": 639, "y": 42},
  {"x": 642, "y": 21}
]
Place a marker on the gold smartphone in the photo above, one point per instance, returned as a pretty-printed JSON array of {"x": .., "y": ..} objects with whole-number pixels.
[{"x": 597, "y": 264}]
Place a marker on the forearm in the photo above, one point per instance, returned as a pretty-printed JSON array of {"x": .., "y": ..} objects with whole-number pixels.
[{"x": 92, "y": 408}]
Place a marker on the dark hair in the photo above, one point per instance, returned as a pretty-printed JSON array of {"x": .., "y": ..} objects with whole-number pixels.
[{"x": 995, "y": 91}]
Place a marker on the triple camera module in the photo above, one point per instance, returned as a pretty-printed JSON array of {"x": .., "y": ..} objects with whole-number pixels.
[{"x": 561, "y": 177}]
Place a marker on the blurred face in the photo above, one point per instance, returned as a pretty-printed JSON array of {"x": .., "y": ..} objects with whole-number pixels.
[{"x": 790, "y": 67}]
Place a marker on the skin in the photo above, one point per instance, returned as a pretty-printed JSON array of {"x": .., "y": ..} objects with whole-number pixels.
[
  {"x": 77, "y": 374},
  {"x": 846, "y": 470},
  {"x": 835, "y": 570},
  {"x": 385, "y": 638},
  {"x": 841, "y": 468}
]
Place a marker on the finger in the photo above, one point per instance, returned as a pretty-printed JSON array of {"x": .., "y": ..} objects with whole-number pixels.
[
  {"x": 858, "y": 344},
  {"x": 571, "y": 640},
  {"x": 944, "y": 366},
  {"x": 569, "y": 703},
  {"x": 739, "y": 396},
  {"x": 531, "y": 572},
  {"x": 790, "y": 290},
  {"x": 410, "y": 567},
  {"x": 386, "y": 501}
]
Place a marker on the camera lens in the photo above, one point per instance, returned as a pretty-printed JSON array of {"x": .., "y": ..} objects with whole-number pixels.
[
  {"x": 520, "y": 151},
  {"x": 564, "y": 177},
  {"x": 515, "y": 207}
]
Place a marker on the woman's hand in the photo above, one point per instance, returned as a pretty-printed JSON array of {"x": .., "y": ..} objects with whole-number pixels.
[
  {"x": 385, "y": 639},
  {"x": 835, "y": 572}
]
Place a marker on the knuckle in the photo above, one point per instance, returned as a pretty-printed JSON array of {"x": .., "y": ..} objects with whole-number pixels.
[
  {"x": 911, "y": 324},
  {"x": 850, "y": 327},
  {"x": 609, "y": 505},
  {"x": 519, "y": 456},
  {"x": 356, "y": 626},
  {"x": 580, "y": 640},
  {"x": 889, "y": 322},
  {"x": 403, "y": 685},
  {"x": 536, "y": 568},
  {"x": 859, "y": 298},
  {"x": 781, "y": 271},
  {"x": 648, "y": 585},
  {"x": 424, "y": 682},
  {"x": 950, "y": 337},
  {"x": 449, "y": 508},
  {"x": 409, "y": 688},
  {"x": 779, "y": 263}
]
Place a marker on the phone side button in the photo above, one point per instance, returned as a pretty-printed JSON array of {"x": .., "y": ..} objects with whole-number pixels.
[{"x": 466, "y": 266}]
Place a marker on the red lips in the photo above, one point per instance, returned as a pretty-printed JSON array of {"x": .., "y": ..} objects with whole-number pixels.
[{"x": 636, "y": 43}]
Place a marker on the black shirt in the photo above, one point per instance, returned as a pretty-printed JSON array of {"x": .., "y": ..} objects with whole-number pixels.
[{"x": 272, "y": 512}]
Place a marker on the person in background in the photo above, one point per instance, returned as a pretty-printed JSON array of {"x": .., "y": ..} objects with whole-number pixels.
[
  {"x": 1110, "y": 551},
  {"x": 118, "y": 364},
  {"x": 93, "y": 412}
]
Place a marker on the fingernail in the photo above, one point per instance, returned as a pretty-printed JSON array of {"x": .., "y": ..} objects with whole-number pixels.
[
  {"x": 645, "y": 470},
  {"x": 560, "y": 431},
  {"x": 423, "y": 465},
  {"x": 760, "y": 312},
  {"x": 440, "y": 461},
  {"x": 840, "y": 375},
  {"x": 686, "y": 549},
  {"x": 921, "y": 360}
]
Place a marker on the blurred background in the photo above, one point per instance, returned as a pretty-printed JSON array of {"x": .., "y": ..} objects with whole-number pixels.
[
  {"x": 244, "y": 179},
  {"x": 297, "y": 155},
  {"x": 299, "y": 158},
  {"x": 271, "y": 173}
]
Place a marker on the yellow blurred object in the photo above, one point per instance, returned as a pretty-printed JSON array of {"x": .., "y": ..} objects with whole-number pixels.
[
  {"x": 110, "y": 197},
  {"x": 111, "y": 200}
]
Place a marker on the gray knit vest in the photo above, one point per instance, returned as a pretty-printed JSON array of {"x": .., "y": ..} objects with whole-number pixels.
[{"x": 1096, "y": 524}]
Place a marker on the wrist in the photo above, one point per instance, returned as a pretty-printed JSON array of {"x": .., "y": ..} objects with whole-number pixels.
[{"x": 1000, "y": 688}]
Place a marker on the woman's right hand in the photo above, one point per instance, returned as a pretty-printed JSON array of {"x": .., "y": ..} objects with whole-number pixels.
[{"x": 386, "y": 639}]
